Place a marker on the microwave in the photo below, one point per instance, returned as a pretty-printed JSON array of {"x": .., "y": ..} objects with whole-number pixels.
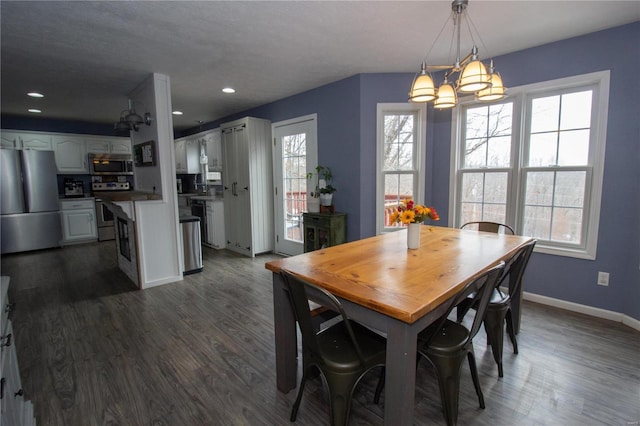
[{"x": 110, "y": 164}]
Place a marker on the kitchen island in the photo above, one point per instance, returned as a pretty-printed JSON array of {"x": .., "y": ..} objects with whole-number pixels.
[{"x": 122, "y": 205}]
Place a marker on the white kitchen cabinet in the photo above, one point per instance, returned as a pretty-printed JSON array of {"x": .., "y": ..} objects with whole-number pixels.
[
  {"x": 213, "y": 143},
  {"x": 248, "y": 185},
  {"x": 121, "y": 146},
  {"x": 14, "y": 408},
  {"x": 78, "y": 220},
  {"x": 20, "y": 140},
  {"x": 215, "y": 224},
  {"x": 9, "y": 140},
  {"x": 109, "y": 146},
  {"x": 187, "y": 156},
  {"x": 71, "y": 154}
]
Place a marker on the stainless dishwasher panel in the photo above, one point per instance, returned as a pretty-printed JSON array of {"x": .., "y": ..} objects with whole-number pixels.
[
  {"x": 191, "y": 244},
  {"x": 199, "y": 209}
]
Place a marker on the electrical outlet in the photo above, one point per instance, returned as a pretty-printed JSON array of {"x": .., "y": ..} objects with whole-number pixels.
[{"x": 603, "y": 278}]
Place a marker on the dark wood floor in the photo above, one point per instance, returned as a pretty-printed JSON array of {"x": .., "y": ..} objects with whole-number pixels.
[{"x": 95, "y": 351}]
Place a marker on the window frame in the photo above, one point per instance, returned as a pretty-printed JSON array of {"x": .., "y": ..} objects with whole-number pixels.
[
  {"x": 521, "y": 97},
  {"x": 419, "y": 151}
]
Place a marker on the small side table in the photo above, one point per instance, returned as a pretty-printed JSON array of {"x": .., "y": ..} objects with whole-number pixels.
[{"x": 322, "y": 230}]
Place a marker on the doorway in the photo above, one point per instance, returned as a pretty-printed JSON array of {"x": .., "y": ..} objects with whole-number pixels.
[{"x": 295, "y": 154}]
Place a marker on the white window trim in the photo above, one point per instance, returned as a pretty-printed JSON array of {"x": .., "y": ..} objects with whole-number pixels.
[
  {"x": 420, "y": 152},
  {"x": 596, "y": 156}
]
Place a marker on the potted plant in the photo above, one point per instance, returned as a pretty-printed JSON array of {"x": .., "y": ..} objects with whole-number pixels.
[{"x": 324, "y": 189}]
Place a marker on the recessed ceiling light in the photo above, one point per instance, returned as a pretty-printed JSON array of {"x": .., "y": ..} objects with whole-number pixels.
[
  {"x": 35, "y": 111},
  {"x": 35, "y": 95},
  {"x": 177, "y": 113},
  {"x": 229, "y": 90}
]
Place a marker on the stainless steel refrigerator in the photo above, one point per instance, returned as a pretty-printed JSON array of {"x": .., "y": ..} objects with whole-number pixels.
[{"x": 29, "y": 201}]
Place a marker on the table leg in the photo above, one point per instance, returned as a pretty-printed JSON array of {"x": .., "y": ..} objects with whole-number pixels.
[
  {"x": 400, "y": 379},
  {"x": 284, "y": 324}
]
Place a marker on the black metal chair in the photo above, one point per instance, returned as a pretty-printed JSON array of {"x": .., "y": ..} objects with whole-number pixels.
[
  {"x": 446, "y": 343},
  {"x": 498, "y": 228},
  {"x": 499, "y": 310},
  {"x": 343, "y": 353}
]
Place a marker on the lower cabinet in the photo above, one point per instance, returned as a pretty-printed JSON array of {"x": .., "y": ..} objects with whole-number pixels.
[
  {"x": 78, "y": 220},
  {"x": 322, "y": 230},
  {"x": 215, "y": 225},
  {"x": 14, "y": 408}
]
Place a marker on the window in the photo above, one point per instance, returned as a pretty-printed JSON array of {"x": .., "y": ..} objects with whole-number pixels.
[
  {"x": 535, "y": 161},
  {"x": 400, "y": 159}
]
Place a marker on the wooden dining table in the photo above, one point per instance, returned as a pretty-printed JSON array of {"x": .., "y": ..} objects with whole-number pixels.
[{"x": 389, "y": 288}]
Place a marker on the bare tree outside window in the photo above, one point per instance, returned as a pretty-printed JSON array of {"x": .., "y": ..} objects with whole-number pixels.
[
  {"x": 399, "y": 164},
  {"x": 486, "y": 160},
  {"x": 557, "y": 166}
]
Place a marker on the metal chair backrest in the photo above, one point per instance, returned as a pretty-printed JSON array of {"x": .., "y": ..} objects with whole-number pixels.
[
  {"x": 498, "y": 228},
  {"x": 300, "y": 303},
  {"x": 479, "y": 289},
  {"x": 516, "y": 266}
]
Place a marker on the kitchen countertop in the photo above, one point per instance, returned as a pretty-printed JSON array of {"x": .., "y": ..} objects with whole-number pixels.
[
  {"x": 127, "y": 196},
  {"x": 61, "y": 197},
  {"x": 206, "y": 198}
]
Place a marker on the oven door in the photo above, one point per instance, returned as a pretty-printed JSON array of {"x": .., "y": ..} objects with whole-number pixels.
[
  {"x": 105, "y": 216},
  {"x": 106, "y": 229}
]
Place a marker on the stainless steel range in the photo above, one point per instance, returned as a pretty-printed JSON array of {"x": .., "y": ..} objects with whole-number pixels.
[{"x": 106, "y": 229}]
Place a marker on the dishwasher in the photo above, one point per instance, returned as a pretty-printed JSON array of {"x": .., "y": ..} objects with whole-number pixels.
[
  {"x": 191, "y": 244},
  {"x": 199, "y": 209}
]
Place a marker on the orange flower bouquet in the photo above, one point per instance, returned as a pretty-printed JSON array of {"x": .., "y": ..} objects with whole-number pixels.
[{"x": 409, "y": 212}]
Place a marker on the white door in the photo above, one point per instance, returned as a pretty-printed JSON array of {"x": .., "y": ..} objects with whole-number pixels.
[{"x": 295, "y": 153}]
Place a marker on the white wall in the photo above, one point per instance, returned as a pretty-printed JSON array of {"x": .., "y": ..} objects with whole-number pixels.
[{"x": 157, "y": 224}]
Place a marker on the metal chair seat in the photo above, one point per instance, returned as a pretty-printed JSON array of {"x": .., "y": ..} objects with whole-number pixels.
[{"x": 342, "y": 353}]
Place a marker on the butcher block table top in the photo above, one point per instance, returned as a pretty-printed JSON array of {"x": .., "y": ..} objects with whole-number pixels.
[{"x": 381, "y": 274}]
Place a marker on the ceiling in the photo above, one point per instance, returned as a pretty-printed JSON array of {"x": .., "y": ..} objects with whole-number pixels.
[{"x": 87, "y": 56}]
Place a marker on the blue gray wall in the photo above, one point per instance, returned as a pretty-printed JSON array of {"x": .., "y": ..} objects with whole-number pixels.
[{"x": 347, "y": 143}]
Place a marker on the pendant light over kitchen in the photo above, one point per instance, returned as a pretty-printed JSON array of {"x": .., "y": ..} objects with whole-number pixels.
[
  {"x": 473, "y": 75},
  {"x": 130, "y": 119}
]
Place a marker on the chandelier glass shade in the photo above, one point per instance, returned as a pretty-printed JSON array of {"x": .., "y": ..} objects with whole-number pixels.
[
  {"x": 473, "y": 75},
  {"x": 423, "y": 89},
  {"x": 447, "y": 97}
]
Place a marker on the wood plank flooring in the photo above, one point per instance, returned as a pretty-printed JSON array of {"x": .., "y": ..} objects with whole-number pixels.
[{"x": 93, "y": 350}]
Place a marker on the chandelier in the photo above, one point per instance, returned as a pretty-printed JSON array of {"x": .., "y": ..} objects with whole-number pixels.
[
  {"x": 130, "y": 119},
  {"x": 473, "y": 75}
]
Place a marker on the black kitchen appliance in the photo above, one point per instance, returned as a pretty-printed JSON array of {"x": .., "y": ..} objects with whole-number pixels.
[{"x": 73, "y": 188}]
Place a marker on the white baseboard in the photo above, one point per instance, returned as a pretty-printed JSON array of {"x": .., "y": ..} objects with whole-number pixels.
[{"x": 584, "y": 309}]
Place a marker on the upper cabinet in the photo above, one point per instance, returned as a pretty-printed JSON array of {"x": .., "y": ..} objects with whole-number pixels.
[
  {"x": 71, "y": 154},
  {"x": 187, "y": 153},
  {"x": 109, "y": 146},
  {"x": 20, "y": 140},
  {"x": 213, "y": 143},
  {"x": 70, "y": 150}
]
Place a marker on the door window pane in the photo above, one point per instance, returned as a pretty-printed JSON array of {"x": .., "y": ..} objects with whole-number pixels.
[{"x": 294, "y": 162}]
